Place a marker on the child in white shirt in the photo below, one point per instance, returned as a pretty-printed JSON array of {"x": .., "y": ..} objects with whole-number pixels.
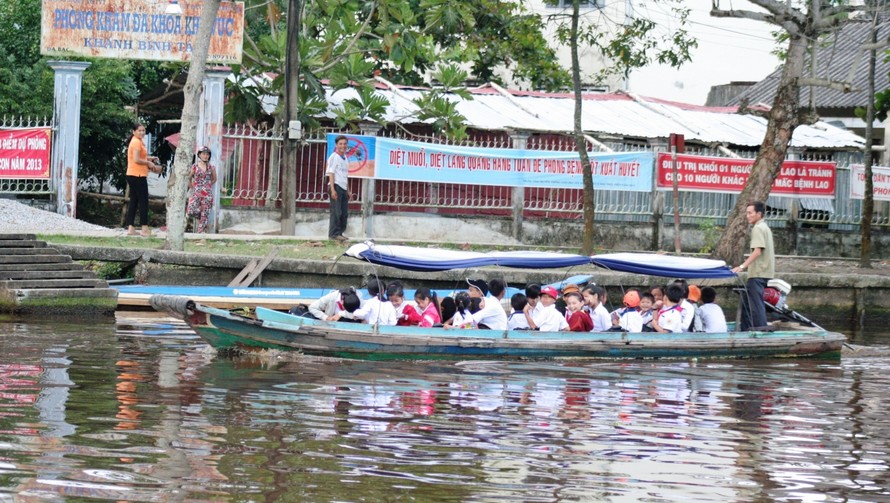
[
  {"x": 647, "y": 303},
  {"x": 516, "y": 320},
  {"x": 712, "y": 317},
  {"x": 593, "y": 296},
  {"x": 549, "y": 319},
  {"x": 629, "y": 319},
  {"x": 374, "y": 310},
  {"x": 670, "y": 316}
]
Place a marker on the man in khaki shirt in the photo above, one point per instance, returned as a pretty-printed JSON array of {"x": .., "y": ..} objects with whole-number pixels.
[{"x": 761, "y": 267}]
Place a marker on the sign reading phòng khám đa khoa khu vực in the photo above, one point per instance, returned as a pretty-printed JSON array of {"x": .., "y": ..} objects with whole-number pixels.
[{"x": 138, "y": 29}]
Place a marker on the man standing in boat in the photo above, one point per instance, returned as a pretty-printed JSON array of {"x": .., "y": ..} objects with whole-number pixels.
[
  {"x": 337, "y": 173},
  {"x": 761, "y": 267}
]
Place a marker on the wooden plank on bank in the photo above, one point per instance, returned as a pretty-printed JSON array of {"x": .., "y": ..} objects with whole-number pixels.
[
  {"x": 260, "y": 267},
  {"x": 239, "y": 278}
]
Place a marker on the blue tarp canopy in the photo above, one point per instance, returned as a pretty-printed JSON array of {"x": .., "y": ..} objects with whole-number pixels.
[
  {"x": 434, "y": 259},
  {"x": 669, "y": 266},
  {"x": 411, "y": 258}
]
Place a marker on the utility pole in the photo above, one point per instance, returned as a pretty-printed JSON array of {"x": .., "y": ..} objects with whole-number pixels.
[{"x": 291, "y": 118}]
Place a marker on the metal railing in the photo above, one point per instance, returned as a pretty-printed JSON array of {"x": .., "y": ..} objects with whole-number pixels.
[{"x": 252, "y": 172}]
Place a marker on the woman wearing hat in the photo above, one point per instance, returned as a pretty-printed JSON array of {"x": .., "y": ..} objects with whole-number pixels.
[{"x": 202, "y": 178}]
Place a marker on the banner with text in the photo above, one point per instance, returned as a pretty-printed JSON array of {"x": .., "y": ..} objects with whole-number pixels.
[
  {"x": 138, "y": 29},
  {"x": 880, "y": 177},
  {"x": 24, "y": 153},
  {"x": 722, "y": 174},
  {"x": 428, "y": 162}
]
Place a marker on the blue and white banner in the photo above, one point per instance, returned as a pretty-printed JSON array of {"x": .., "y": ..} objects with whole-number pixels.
[{"x": 427, "y": 162}]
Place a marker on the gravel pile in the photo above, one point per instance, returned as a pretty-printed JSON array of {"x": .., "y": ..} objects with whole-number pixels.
[{"x": 21, "y": 218}]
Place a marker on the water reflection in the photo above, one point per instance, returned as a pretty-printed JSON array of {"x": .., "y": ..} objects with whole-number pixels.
[{"x": 141, "y": 411}]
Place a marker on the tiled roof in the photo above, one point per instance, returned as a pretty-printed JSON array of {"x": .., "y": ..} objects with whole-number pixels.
[{"x": 836, "y": 55}]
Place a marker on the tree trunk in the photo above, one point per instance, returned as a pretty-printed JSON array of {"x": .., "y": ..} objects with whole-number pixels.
[
  {"x": 291, "y": 113},
  {"x": 178, "y": 184},
  {"x": 784, "y": 116},
  {"x": 868, "y": 204},
  {"x": 580, "y": 141}
]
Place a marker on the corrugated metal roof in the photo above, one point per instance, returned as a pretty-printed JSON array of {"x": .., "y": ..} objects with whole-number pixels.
[
  {"x": 834, "y": 59},
  {"x": 617, "y": 114}
]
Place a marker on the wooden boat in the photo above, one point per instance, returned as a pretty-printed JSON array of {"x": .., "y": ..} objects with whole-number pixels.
[{"x": 275, "y": 330}]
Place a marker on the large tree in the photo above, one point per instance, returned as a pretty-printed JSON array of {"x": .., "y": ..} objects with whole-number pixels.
[
  {"x": 624, "y": 44},
  {"x": 178, "y": 183},
  {"x": 802, "y": 24}
]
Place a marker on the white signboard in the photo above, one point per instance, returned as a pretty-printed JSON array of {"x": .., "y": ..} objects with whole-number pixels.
[{"x": 880, "y": 178}]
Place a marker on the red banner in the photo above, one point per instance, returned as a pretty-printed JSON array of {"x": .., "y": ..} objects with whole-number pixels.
[
  {"x": 24, "y": 153},
  {"x": 722, "y": 174}
]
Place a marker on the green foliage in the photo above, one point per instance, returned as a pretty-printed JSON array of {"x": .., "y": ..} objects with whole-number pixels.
[
  {"x": 635, "y": 43},
  {"x": 109, "y": 87},
  {"x": 711, "y": 233},
  {"x": 441, "y": 113},
  {"x": 110, "y": 270},
  {"x": 367, "y": 107},
  {"x": 882, "y": 106},
  {"x": 346, "y": 43}
]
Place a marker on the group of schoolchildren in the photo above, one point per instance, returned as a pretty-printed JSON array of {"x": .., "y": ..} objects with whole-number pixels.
[
  {"x": 671, "y": 308},
  {"x": 347, "y": 305}
]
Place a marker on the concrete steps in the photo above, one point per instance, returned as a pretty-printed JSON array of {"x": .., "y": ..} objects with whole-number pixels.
[{"x": 38, "y": 280}]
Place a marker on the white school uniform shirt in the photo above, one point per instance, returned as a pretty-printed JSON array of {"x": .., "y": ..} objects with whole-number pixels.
[
  {"x": 671, "y": 319},
  {"x": 329, "y": 305},
  {"x": 712, "y": 318},
  {"x": 630, "y": 320},
  {"x": 647, "y": 316},
  {"x": 550, "y": 319},
  {"x": 376, "y": 312},
  {"x": 463, "y": 320},
  {"x": 602, "y": 320},
  {"x": 517, "y": 321},
  {"x": 492, "y": 314},
  {"x": 688, "y": 314}
]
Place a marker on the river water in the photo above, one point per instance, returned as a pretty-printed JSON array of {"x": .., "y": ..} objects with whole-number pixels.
[{"x": 141, "y": 410}]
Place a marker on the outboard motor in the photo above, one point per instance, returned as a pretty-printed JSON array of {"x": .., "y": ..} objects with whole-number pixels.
[
  {"x": 774, "y": 296},
  {"x": 776, "y": 292}
]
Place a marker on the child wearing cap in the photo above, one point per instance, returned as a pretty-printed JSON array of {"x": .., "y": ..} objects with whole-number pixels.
[
  {"x": 693, "y": 295},
  {"x": 548, "y": 319},
  {"x": 492, "y": 314},
  {"x": 629, "y": 319}
]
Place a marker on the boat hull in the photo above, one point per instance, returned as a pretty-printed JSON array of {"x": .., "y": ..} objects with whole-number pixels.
[{"x": 275, "y": 330}]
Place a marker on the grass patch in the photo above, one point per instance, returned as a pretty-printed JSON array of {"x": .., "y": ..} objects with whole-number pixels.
[{"x": 287, "y": 248}]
